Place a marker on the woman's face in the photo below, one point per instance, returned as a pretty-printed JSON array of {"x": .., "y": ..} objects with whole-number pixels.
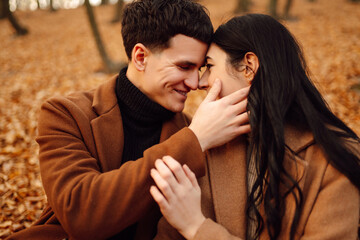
[{"x": 217, "y": 66}]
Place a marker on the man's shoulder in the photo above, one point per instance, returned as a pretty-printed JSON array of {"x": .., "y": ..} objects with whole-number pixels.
[
  {"x": 73, "y": 97},
  {"x": 88, "y": 101},
  {"x": 73, "y": 104}
]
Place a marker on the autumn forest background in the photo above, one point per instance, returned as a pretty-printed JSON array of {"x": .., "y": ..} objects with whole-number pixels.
[{"x": 54, "y": 51}]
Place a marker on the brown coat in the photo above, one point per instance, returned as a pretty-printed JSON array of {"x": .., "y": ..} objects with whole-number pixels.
[
  {"x": 331, "y": 202},
  {"x": 90, "y": 196}
]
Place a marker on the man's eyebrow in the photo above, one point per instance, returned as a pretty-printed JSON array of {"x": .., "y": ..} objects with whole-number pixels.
[{"x": 186, "y": 63}]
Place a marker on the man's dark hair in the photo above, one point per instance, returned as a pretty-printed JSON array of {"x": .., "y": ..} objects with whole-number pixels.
[{"x": 154, "y": 22}]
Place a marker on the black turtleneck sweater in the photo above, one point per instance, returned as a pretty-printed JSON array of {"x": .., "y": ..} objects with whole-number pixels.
[
  {"x": 142, "y": 123},
  {"x": 142, "y": 118}
]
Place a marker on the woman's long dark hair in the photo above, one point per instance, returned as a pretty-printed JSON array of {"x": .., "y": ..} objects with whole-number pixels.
[{"x": 281, "y": 93}]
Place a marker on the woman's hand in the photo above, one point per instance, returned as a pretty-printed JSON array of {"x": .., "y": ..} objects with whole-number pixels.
[{"x": 178, "y": 195}]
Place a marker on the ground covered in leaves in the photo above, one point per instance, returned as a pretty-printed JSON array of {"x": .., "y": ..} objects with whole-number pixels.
[{"x": 59, "y": 56}]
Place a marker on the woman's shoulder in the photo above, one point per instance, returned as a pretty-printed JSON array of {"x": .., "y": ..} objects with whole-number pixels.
[
  {"x": 302, "y": 153},
  {"x": 299, "y": 139},
  {"x": 306, "y": 157}
]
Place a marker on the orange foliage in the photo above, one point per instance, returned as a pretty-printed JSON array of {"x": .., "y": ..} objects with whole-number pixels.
[{"x": 59, "y": 56}]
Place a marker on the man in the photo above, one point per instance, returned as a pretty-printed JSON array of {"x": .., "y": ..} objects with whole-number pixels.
[{"x": 97, "y": 147}]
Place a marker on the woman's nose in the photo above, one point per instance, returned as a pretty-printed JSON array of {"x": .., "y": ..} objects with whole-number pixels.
[{"x": 203, "y": 82}]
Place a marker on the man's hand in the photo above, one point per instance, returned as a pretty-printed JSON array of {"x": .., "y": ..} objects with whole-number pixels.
[{"x": 216, "y": 122}]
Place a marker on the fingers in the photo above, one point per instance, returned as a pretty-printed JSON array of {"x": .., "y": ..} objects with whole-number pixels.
[
  {"x": 242, "y": 123},
  {"x": 162, "y": 184},
  {"x": 242, "y": 119},
  {"x": 159, "y": 198},
  {"x": 169, "y": 176},
  {"x": 244, "y": 129},
  {"x": 240, "y": 107},
  {"x": 237, "y": 96},
  {"x": 176, "y": 169},
  {"x": 165, "y": 172},
  {"x": 214, "y": 91},
  {"x": 191, "y": 175}
]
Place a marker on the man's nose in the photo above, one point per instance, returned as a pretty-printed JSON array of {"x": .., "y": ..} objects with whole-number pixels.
[
  {"x": 193, "y": 80},
  {"x": 204, "y": 83}
]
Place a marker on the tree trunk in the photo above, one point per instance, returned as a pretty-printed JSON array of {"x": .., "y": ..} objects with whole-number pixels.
[
  {"x": 51, "y": 5},
  {"x": 2, "y": 10},
  {"x": 272, "y": 8},
  {"x": 118, "y": 10},
  {"x": 242, "y": 6},
  {"x": 20, "y": 30},
  {"x": 109, "y": 64},
  {"x": 287, "y": 9}
]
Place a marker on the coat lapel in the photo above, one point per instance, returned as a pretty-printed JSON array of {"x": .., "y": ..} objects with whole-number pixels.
[
  {"x": 296, "y": 138},
  {"x": 227, "y": 172},
  {"x": 107, "y": 127}
]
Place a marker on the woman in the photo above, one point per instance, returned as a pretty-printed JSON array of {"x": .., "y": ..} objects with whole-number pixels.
[{"x": 296, "y": 176}]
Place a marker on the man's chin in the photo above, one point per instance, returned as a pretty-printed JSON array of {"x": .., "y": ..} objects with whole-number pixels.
[{"x": 177, "y": 109}]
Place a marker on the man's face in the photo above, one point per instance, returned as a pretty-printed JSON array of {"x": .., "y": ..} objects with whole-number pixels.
[{"x": 171, "y": 73}]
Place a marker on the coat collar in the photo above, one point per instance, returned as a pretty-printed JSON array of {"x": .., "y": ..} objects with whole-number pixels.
[
  {"x": 104, "y": 97},
  {"x": 108, "y": 128},
  {"x": 297, "y": 139}
]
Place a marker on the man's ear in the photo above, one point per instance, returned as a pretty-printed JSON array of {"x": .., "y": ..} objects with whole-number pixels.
[
  {"x": 252, "y": 65},
  {"x": 139, "y": 56}
]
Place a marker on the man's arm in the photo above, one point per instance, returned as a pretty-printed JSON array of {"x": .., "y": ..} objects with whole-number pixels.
[{"x": 88, "y": 203}]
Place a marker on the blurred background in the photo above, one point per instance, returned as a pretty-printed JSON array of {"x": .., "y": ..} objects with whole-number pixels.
[{"x": 54, "y": 47}]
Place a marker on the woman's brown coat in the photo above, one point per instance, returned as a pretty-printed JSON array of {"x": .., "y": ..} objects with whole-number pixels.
[
  {"x": 331, "y": 201},
  {"x": 90, "y": 195}
]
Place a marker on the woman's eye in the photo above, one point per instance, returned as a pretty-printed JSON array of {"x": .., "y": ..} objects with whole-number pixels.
[{"x": 208, "y": 66}]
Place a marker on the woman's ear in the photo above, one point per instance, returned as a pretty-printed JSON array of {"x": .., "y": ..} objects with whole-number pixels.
[
  {"x": 139, "y": 56},
  {"x": 252, "y": 65}
]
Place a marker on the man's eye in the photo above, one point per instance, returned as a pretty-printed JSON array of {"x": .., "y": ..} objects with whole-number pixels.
[{"x": 184, "y": 67}]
